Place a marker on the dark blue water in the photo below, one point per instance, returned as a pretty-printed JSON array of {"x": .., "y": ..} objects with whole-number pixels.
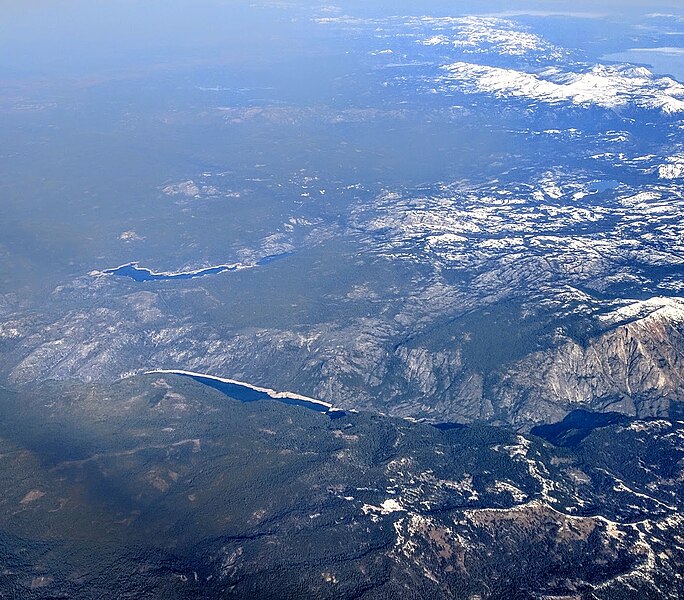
[
  {"x": 576, "y": 426},
  {"x": 141, "y": 274},
  {"x": 271, "y": 258},
  {"x": 137, "y": 273},
  {"x": 448, "y": 426},
  {"x": 245, "y": 393}
]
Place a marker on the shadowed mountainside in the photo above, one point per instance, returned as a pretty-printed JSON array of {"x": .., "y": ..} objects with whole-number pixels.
[{"x": 158, "y": 486}]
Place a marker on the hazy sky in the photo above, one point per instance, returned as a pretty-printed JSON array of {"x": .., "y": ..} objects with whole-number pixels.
[{"x": 47, "y": 38}]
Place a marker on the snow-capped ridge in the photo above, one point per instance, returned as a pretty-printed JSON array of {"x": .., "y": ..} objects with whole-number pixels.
[
  {"x": 668, "y": 307},
  {"x": 607, "y": 86}
]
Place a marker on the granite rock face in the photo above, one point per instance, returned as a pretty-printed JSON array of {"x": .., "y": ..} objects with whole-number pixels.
[
  {"x": 628, "y": 358},
  {"x": 635, "y": 366}
]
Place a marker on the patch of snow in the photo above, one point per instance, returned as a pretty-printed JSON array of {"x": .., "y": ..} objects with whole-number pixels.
[{"x": 613, "y": 86}]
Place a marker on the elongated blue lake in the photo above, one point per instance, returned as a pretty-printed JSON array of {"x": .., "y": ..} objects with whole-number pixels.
[
  {"x": 133, "y": 271},
  {"x": 247, "y": 393},
  {"x": 141, "y": 274}
]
